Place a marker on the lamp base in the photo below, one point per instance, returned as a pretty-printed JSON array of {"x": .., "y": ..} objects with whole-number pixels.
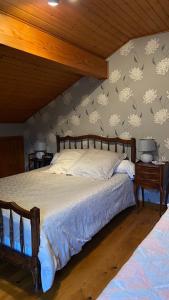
[
  {"x": 39, "y": 154},
  {"x": 146, "y": 157}
]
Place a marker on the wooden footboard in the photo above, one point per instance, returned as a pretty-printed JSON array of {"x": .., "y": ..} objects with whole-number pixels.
[{"x": 19, "y": 257}]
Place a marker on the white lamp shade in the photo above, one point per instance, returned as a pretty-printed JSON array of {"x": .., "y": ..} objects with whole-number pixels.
[
  {"x": 146, "y": 145},
  {"x": 53, "y": 2},
  {"x": 40, "y": 146}
]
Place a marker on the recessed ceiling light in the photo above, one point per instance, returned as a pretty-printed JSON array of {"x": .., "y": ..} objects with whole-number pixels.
[{"x": 53, "y": 2}]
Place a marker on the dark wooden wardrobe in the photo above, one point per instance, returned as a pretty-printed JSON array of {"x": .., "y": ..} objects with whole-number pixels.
[{"x": 11, "y": 155}]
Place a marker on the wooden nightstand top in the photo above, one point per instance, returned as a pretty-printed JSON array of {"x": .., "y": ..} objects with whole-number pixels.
[{"x": 140, "y": 163}]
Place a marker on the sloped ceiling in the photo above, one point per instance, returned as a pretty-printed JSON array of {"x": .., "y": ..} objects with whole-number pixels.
[
  {"x": 98, "y": 26},
  {"x": 27, "y": 83}
]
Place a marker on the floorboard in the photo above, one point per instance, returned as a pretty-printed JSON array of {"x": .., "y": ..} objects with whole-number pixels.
[{"x": 88, "y": 272}]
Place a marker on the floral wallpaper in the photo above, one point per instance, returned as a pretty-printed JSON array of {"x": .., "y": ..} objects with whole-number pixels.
[{"x": 133, "y": 101}]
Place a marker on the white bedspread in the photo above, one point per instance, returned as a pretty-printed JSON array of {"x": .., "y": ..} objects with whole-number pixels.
[{"x": 73, "y": 209}]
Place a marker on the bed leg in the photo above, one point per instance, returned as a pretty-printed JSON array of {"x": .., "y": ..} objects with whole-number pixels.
[
  {"x": 36, "y": 278},
  {"x": 136, "y": 196}
]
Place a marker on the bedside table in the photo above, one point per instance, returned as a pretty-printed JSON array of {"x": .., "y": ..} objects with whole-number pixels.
[
  {"x": 150, "y": 176},
  {"x": 35, "y": 163}
]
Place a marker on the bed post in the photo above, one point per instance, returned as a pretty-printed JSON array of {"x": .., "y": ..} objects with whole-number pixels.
[
  {"x": 35, "y": 232},
  {"x": 58, "y": 143},
  {"x": 133, "y": 150}
]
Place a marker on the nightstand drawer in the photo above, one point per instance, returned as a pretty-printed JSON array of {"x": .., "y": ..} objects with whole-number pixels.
[
  {"x": 147, "y": 173},
  {"x": 148, "y": 176},
  {"x": 146, "y": 169},
  {"x": 148, "y": 184}
]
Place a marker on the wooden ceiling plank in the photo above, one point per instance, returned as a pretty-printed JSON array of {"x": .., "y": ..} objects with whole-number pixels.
[
  {"x": 165, "y": 6},
  {"x": 95, "y": 19},
  {"x": 159, "y": 11},
  {"x": 32, "y": 86},
  {"x": 34, "y": 90},
  {"x": 18, "y": 35},
  {"x": 39, "y": 74},
  {"x": 138, "y": 9},
  {"x": 27, "y": 62},
  {"x": 99, "y": 19},
  {"x": 116, "y": 20},
  {"x": 150, "y": 16},
  {"x": 132, "y": 15},
  {"x": 121, "y": 17},
  {"x": 34, "y": 80}
]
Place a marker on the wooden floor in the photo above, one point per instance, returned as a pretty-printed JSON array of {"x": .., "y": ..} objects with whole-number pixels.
[{"x": 88, "y": 272}]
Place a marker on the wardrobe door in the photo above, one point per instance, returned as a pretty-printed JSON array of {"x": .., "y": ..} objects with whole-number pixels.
[{"x": 11, "y": 155}]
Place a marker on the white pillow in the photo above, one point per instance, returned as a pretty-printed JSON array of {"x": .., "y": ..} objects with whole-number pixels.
[
  {"x": 65, "y": 160},
  {"x": 85, "y": 146},
  {"x": 126, "y": 167},
  {"x": 99, "y": 164}
]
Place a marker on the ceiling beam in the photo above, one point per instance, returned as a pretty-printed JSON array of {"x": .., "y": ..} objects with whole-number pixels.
[{"x": 21, "y": 36}]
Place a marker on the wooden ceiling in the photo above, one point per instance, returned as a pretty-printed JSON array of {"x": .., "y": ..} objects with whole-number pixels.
[
  {"x": 97, "y": 26},
  {"x": 27, "y": 83}
]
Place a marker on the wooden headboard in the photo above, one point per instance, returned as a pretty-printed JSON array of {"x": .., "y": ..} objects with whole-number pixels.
[{"x": 98, "y": 142}]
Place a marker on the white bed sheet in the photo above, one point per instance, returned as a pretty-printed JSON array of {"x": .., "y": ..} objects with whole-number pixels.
[{"x": 73, "y": 210}]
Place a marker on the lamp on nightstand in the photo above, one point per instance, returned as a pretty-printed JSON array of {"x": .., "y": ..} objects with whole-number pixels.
[
  {"x": 40, "y": 149},
  {"x": 147, "y": 147}
]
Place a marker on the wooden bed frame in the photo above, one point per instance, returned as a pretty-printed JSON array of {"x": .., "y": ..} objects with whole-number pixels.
[{"x": 32, "y": 262}]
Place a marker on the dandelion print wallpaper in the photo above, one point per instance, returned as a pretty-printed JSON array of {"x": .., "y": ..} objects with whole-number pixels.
[{"x": 132, "y": 102}]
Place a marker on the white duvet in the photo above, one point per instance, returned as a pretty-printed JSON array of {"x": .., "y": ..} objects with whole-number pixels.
[{"x": 73, "y": 209}]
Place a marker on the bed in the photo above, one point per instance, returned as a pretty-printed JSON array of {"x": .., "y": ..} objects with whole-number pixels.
[
  {"x": 45, "y": 219},
  {"x": 146, "y": 274}
]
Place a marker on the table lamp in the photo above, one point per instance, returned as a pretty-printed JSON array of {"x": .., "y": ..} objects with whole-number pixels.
[
  {"x": 147, "y": 147},
  {"x": 40, "y": 149}
]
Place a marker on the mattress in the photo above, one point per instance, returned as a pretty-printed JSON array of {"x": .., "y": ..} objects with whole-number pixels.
[
  {"x": 73, "y": 209},
  {"x": 146, "y": 274}
]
